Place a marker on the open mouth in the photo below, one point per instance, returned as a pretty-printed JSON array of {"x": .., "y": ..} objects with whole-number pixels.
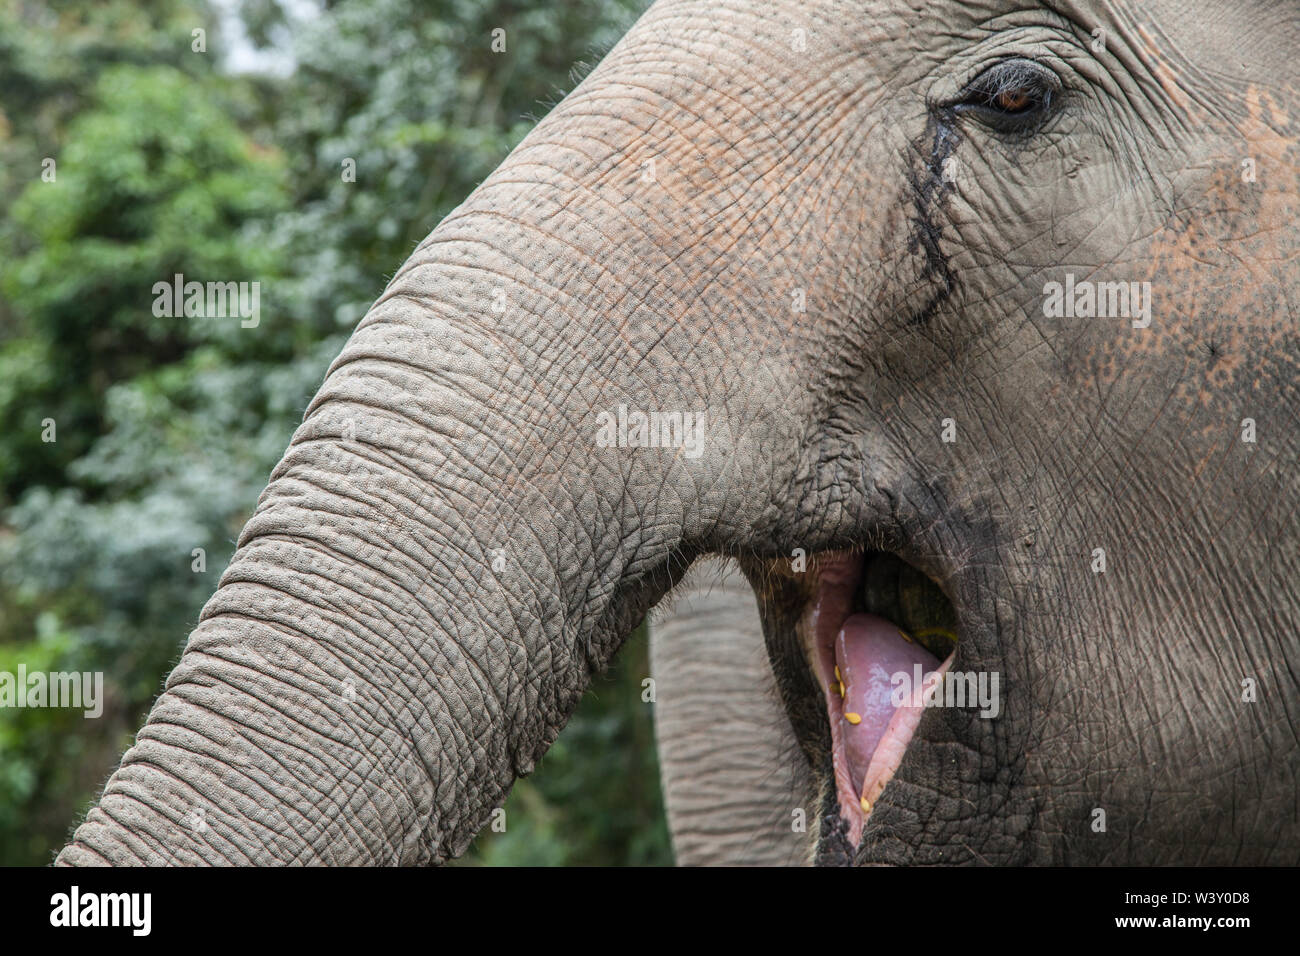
[{"x": 877, "y": 634}]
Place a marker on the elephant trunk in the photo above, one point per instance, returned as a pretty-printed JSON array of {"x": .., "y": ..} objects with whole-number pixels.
[
  {"x": 442, "y": 558},
  {"x": 556, "y": 404},
  {"x": 731, "y": 793}
]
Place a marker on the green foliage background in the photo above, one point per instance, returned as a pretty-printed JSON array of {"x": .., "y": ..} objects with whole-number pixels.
[{"x": 168, "y": 161}]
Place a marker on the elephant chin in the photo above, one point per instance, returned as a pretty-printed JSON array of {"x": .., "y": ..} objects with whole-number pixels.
[{"x": 874, "y": 675}]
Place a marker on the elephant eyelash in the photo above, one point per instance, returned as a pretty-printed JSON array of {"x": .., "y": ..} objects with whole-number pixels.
[{"x": 1014, "y": 96}]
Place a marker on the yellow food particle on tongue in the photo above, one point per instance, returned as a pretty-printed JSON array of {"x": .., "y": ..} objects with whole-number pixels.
[
  {"x": 841, "y": 688},
  {"x": 853, "y": 718},
  {"x": 903, "y": 635},
  {"x": 866, "y": 805},
  {"x": 837, "y": 675}
]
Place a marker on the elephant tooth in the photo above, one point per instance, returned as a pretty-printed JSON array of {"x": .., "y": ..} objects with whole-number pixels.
[{"x": 946, "y": 633}]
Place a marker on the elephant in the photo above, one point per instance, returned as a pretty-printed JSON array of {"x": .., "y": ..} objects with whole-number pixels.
[
  {"x": 966, "y": 330},
  {"x": 735, "y": 786}
]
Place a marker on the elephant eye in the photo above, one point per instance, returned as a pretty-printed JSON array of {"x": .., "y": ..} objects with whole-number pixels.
[{"x": 1013, "y": 96}]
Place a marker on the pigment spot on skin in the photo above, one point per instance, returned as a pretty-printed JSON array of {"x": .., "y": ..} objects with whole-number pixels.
[{"x": 1164, "y": 73}]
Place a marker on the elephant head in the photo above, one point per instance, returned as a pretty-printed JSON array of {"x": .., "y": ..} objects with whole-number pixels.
[{"x": 967, "y": 328}]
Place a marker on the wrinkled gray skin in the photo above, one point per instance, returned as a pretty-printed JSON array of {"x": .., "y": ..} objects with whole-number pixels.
[
  {"x": 736, "y": 788},
  {"x": 444, "y": 555}
]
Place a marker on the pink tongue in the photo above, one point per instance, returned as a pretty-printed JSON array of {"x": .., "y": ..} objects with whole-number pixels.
[{"x": 868, "y": 651}]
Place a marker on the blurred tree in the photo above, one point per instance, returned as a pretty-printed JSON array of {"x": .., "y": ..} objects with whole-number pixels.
[{"x": 153, "y": 180}]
